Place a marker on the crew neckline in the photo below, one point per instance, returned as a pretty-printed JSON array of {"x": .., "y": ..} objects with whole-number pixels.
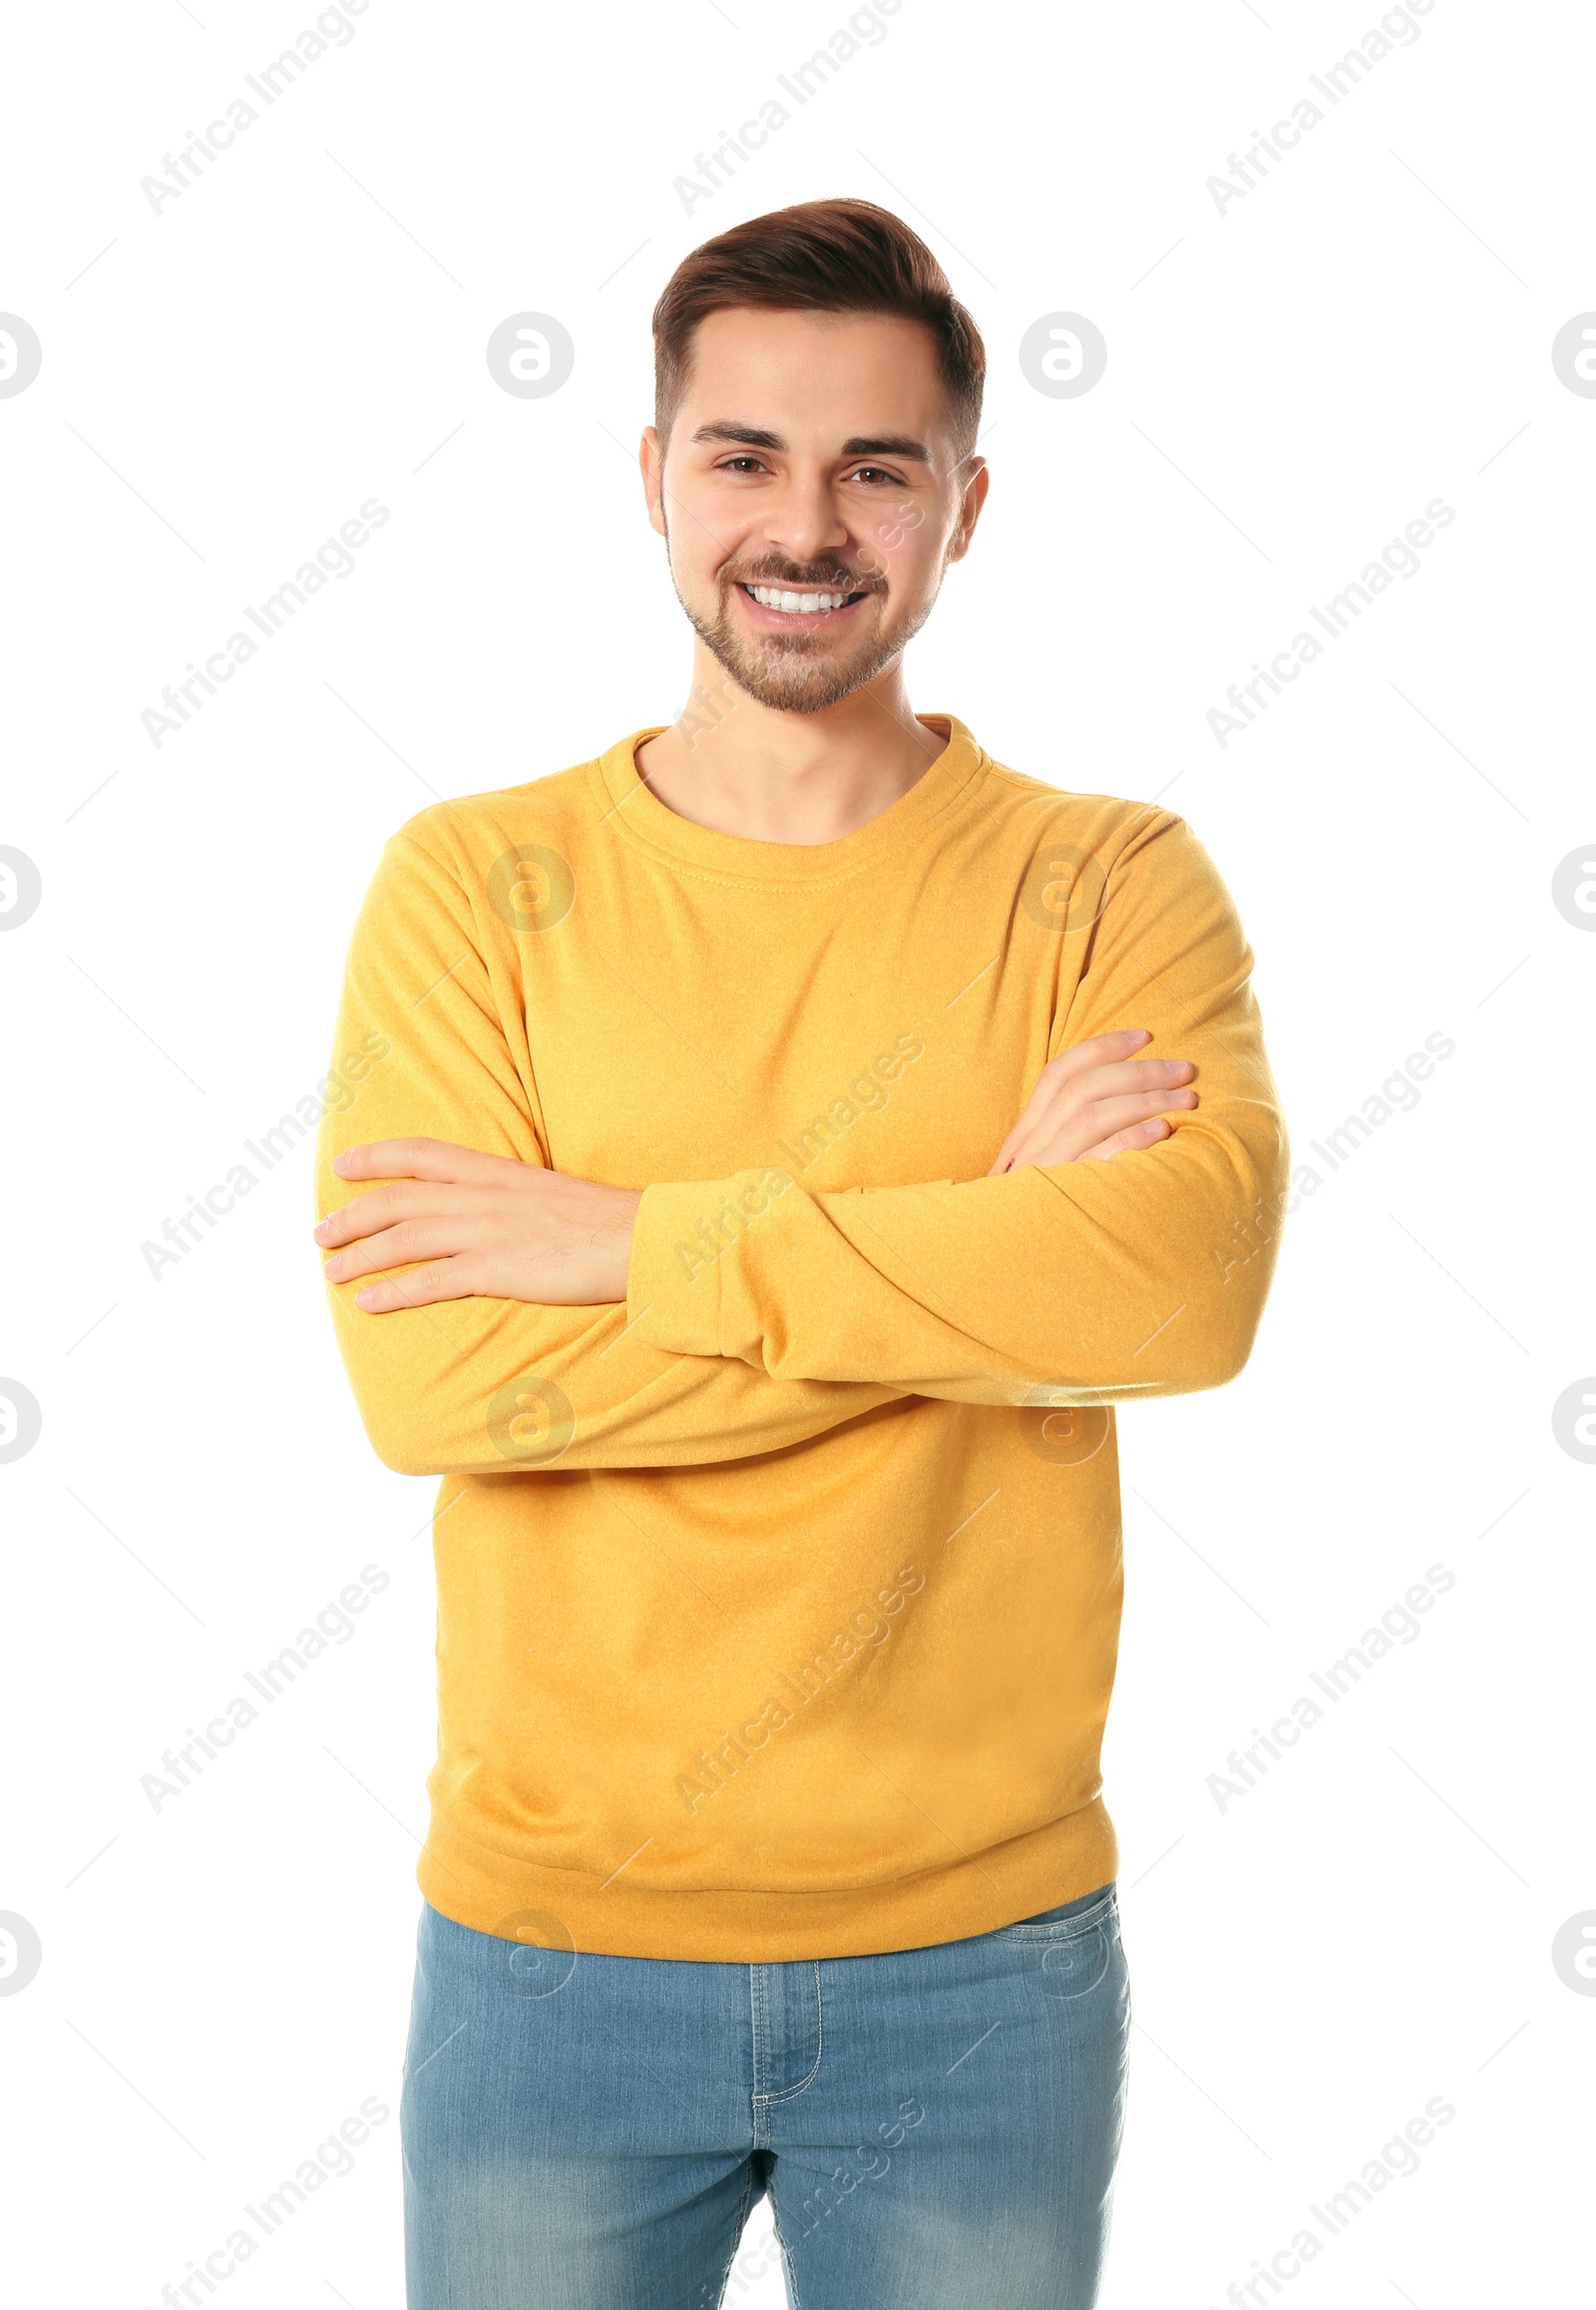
[{"x": 631, "y": 806}]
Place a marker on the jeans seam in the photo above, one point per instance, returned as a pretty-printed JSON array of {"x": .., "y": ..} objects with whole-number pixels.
[
  {"x": 789, "y": 2267},
  {"x": 736, "y": 2235},
  {"x": 756, "y": 2005},
  {"x": 790, "y": 2093}
]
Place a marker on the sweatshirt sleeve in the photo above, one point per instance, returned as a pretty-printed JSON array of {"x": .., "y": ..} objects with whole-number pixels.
[
  {"x": 431, "y": 1041},
  {"x": 1143, "y": 1275}
]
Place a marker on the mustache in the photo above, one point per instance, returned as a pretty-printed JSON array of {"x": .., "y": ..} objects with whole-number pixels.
[{"x": 828, "y": 579}]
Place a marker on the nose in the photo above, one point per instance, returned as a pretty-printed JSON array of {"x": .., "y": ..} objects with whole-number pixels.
[{"x": 808, "y": 523}]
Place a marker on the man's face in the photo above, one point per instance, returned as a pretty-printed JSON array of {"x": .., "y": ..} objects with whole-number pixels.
[{"x": 810, "y": 499}]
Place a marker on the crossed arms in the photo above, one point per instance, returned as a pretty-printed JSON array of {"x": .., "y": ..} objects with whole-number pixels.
[{"x": 1121, "y": 1244}]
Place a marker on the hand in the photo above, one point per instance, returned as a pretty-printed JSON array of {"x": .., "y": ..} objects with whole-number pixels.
[
  {"x": 1096, "y": 1100},
  {"x": 484, "y": 1225}
]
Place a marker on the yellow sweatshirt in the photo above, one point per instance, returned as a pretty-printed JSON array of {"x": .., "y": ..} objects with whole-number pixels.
[{"x": 777, "y": 1607}]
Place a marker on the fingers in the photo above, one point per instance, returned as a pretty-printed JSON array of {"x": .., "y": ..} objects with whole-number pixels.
[
  {"x": 1127, "y": 1141},
  {"x": 1115, "y": 1080},
  {"x": 437, "y": 1234},
  {"x": 1094, "y": 1101},
  {"x": 1144, "y": 1075},
  {"x": 1005, "y": 1154},
  {"x": 1121, "y": 1043},
  {"x": 1107, "y": 1115},
  {"x": 423, "y": 1286},
  {"x": 437, "y": 1159},
  {"x": 403, "y": 1199},
  {"x": 1080, "y": 1057},
  {"x": 1068, "y": 1138},
  {"x": 1099, "y": 1067}
]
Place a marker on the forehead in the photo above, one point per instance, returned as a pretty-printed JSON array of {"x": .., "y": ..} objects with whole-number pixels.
[{"x": 814, "y": 377}]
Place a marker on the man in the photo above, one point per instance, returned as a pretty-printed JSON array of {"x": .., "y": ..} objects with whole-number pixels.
[{"x": 799, "y": 1131}]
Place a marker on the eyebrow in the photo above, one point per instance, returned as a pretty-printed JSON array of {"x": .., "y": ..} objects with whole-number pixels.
[{"x": 861, "y": 445}]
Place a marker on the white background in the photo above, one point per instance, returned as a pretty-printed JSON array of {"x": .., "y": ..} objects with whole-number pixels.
[{"x": 1289, "y": 383}]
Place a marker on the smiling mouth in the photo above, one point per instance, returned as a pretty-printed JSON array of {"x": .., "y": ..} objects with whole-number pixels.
[{"x": 788, "y": 602}]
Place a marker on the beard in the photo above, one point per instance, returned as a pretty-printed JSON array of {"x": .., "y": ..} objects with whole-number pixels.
[{"x": 801, "y": 672}]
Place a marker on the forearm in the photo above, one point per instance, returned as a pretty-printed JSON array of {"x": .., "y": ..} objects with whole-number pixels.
[
  {"x": 483, "y": 1386},
  {"x": 1141, "y": 1276},
  {"x": 489, "y": 1383}
]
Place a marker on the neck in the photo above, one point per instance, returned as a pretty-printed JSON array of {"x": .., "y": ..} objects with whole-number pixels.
[{"x": 738, "y": 767}]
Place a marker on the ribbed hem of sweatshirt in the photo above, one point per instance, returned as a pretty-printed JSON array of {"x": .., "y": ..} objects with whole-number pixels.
[{"x": 623, "y": 1916}]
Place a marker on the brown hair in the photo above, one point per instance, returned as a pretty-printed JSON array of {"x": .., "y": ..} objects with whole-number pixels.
[{"x": 840, "y": 257}]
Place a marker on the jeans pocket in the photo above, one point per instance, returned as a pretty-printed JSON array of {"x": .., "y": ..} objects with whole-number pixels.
[{"x": 1071, "y": 1951}]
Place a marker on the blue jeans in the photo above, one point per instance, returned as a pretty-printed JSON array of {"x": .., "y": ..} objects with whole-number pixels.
[{"x": 935, "y": 2128}]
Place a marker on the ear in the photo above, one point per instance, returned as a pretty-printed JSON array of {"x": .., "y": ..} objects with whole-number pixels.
[
  {"x": 651, "y": 462},
  {"x": 976, "y": 484}
]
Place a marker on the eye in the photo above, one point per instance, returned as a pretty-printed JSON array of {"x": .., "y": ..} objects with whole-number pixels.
[
  {"x": 744, "y": 460},
  {"x": 876, "y": 473}
]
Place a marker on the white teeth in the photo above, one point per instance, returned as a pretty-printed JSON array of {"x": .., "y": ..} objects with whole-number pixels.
[{"x": 773, "y": 597}]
